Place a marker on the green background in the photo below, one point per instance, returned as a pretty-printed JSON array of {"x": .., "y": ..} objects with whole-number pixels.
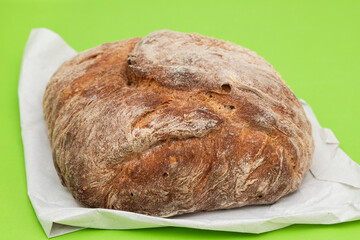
[{"x": 315, "y": 45}]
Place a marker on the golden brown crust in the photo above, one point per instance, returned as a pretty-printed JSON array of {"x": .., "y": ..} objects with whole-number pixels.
[{"x": 175, "y": 123}]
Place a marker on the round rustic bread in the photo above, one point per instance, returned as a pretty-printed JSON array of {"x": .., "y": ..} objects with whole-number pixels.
[{"x": 175, "y": 123}]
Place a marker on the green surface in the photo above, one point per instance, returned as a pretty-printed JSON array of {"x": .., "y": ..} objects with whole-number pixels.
[{"x": 314, "y": 45}]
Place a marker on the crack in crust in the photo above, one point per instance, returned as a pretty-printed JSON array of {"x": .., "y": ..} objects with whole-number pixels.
[{"x": 174, "y": 123}]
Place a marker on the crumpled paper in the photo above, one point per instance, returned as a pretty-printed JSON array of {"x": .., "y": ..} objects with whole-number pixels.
[{"x": 329, "y": 193}]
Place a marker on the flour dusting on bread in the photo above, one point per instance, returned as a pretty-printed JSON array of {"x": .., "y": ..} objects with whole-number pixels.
[{"x": 175, "y": 123}]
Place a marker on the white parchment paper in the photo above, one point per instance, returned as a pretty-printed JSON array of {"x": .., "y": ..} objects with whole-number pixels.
[{"x": 330, "y": 192}]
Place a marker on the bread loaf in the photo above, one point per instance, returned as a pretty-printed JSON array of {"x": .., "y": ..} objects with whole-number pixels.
[{"x": 175, "y": 123}]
